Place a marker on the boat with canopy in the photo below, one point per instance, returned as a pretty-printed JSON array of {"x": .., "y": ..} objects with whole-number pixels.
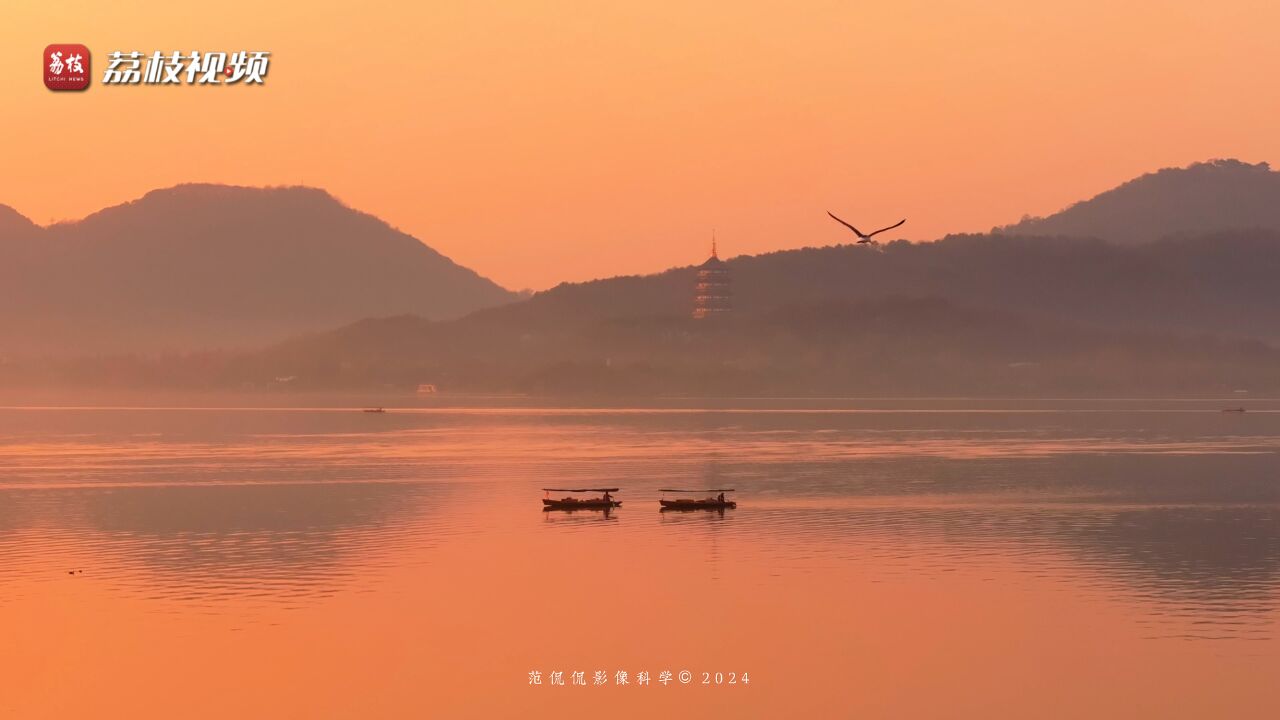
[
  {"x": 713, "y": 499},
  {"x": 569, "y": 502}
]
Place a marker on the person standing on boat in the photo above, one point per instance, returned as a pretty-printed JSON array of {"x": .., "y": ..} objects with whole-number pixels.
[
  {"x": 721, "y": 498},
  {"x": 607, "y": 497}
]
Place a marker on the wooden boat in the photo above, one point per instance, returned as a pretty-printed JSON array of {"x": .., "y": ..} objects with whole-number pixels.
[
  {"x": 568, "y": 502},
  {"x": 374, "y": 410},
  {"x": 715, "y": 500},
  {"x": 1233, "y": 410},
  {"x": 687, "y": 504},
  {"x": 576, "y": 504}
]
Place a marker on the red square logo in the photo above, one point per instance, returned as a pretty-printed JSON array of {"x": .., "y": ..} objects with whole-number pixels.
[{"x": 66, "y": 67}]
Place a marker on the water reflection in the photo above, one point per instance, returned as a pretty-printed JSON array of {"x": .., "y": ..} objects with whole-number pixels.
[
  {"x": 223, "y": 542},
  {"x": 719, "y": 510},
  {"x": 566, "y": 517},
  {"x": 1177, "y": 514},
  {"x": 1219, "y": 566}
]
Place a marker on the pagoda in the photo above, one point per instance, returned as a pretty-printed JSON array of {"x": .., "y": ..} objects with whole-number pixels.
[{"x": 712, "y": 296}]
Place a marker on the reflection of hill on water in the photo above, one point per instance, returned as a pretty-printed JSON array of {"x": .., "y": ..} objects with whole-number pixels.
[
  {"x": 1144, "y": 478},
  {"x": 1223, "y": 562},
  {"x": 205, "y": 541},
  {"x": 1193, "y": 554}
]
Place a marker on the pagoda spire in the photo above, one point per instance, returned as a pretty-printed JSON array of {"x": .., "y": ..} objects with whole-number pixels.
[{"x": 712, "y": 295}]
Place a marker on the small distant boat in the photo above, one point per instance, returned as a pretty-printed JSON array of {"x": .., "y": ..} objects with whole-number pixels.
[
  {"x": 568, "y": 502},
  {"x": 715, "y": 500},
  {"x": 375, "y": 410},
  {"x": 1233, "y": 410}
]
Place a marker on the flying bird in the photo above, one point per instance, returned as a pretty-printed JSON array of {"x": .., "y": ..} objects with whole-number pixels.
[{"x": 865, "y": 237}]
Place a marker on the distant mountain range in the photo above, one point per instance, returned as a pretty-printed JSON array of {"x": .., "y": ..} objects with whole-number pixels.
[
  {"x": 1195, "y": 312},
  {"x": 1205, "y": 197},
  {"x": 213, "y": 266},
  {"x": 968, "y": 314},
  {"x": 1223, "y": 283},
  {"x": 887, "y": 347}
]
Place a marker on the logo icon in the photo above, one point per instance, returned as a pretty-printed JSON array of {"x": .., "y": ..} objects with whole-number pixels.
[{"x": 66, "y": 67}]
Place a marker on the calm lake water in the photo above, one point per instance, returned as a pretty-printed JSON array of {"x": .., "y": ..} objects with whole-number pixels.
[{"x": 887, "y": 559}]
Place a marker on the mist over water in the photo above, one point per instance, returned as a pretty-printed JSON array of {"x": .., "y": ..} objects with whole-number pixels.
[{"x": 1107, "y": 543}]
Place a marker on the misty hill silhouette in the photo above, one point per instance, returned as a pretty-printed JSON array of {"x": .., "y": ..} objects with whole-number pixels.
[
  {"x": 1219, "y": 284},
  {"x": 197, "y": 266},
  {"x": 997, "y": 313},
  {"x": 13, "y": 226},
  {"x": 1205, "y": 197},
  {"x": 891, "y": 346},
  {"x": 980, "y": 314}
]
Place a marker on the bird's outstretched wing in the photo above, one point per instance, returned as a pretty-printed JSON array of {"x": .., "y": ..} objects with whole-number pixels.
[
  {"x": 887, "y": 228},
  {"x": 855, "y": 230}
]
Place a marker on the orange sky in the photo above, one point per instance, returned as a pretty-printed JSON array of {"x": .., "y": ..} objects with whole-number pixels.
[{"x": 546, "y": 141}]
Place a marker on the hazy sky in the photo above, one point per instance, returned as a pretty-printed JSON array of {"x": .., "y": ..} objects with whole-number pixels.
[{"x": 546, "y": 141}]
